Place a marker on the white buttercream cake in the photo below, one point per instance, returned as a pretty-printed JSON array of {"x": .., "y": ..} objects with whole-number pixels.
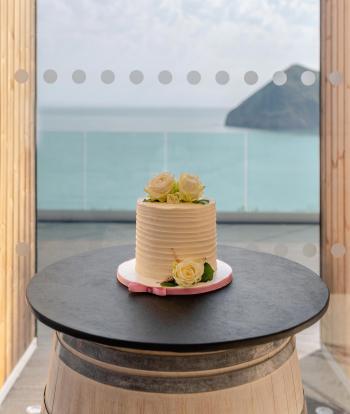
[{"x": 166, "y": 231}]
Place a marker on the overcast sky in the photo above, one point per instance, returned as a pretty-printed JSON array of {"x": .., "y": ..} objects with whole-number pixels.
[{"x": 175, "y": 35}]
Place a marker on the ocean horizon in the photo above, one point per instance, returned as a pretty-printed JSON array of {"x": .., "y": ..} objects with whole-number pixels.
[{"x": 101, "y": 159}]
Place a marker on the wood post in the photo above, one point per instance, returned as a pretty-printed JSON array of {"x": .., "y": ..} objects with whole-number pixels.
[
  {"x": 335, "y": 176},
  {"x": 17, "y": 178}
]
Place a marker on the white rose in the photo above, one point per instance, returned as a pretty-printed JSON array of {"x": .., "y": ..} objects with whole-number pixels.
[
  {"x": 160, "y": 186},
  {"x": 173, "y": 198},
  {"x": 190, "y": 187},
  {"x": 188, "y": 272}
]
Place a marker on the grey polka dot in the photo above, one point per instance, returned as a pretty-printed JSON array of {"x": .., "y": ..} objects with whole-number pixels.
[
  {"x": 136, "y": 77},
  {"x": 194, "y": 77},
  {"x": 309, "y": 250},
  {"x": 338, "y": 250},
  {"x": 50, "y": 76},
  {"x": 21, "y": 76},
  {"x": 107, "y": 77},
  {"x": 280, "y": 249},
  {"x": 22, "y": 249},
  {"x": 251, "y": 77},
  {"x": 165, "y": 77},
  {"x": 279, "y": 78},
  {"x": 308, "y": 78},
  {"x": 222, "y": 77},
  {"x": 79, "y": 76},
  {"x": 335, "y": 78},
  {"x": 324, "y": 410}
]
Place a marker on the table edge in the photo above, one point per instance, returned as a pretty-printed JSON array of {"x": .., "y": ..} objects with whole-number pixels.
[{"x": 213, "y": 346}]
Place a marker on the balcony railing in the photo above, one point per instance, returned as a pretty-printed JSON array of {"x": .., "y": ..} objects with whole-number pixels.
[{"x": 246, "y": 171}]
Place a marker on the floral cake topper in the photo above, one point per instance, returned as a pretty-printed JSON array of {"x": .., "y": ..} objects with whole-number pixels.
[
  {"x": 189, "y": 272},
  {"x": 164, "y": 188}
]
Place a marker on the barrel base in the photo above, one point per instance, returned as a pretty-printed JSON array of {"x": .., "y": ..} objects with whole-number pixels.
[{"x": 90, "y": 378}]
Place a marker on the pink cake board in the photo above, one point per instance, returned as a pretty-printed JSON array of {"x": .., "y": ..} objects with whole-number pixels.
[{"x": 136, "y": 283}]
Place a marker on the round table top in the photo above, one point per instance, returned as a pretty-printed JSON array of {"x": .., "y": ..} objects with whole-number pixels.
[{"x": 270, "y": 298}]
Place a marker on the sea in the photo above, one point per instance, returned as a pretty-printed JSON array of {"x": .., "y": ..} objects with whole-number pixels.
[{"x": 101, "y": 159}]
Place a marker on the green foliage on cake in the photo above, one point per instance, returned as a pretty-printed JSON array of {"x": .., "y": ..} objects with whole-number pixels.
[{"x": 189, "y": 272}]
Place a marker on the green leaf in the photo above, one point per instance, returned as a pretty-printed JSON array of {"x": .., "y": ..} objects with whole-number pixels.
[
  {"x": 202, "y": 201},
  {"x": 169, "y": 283},
  {"x": 208, "y": 273},
  {"x": 175, "y": 188}
]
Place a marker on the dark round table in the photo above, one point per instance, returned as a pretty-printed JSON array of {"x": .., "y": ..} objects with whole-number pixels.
[{"x": 232, "y": 350}]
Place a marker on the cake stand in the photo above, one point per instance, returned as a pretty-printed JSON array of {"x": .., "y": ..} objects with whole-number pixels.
[
  {"x": 127, "y": 276},
  {"x": 230, "y": 351}
]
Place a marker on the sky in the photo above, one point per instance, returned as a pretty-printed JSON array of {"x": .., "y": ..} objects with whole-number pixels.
[{"x": 208, "y": 36}]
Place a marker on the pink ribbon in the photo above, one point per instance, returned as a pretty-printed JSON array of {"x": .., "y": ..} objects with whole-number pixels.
[{"x": 138, "y": 288}]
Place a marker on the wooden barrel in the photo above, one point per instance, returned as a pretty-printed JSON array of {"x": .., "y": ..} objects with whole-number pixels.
[{"x": 90, "y": 378}]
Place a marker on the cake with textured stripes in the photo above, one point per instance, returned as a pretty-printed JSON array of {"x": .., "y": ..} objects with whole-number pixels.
[
  {"x": 176, "y": 232},
  {"x": 167, "y": 232}
]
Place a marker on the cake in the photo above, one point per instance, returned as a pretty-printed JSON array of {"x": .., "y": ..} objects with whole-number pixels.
[
  {"x": 175, "y": 241},
  {"x": 166, "y": 232},
  {"x": 176, "y": 232}
]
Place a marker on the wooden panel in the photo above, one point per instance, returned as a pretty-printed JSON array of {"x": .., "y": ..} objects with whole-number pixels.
[
  {"x": 17, "y": 178},
  {"x": 335, "y": 175}
]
